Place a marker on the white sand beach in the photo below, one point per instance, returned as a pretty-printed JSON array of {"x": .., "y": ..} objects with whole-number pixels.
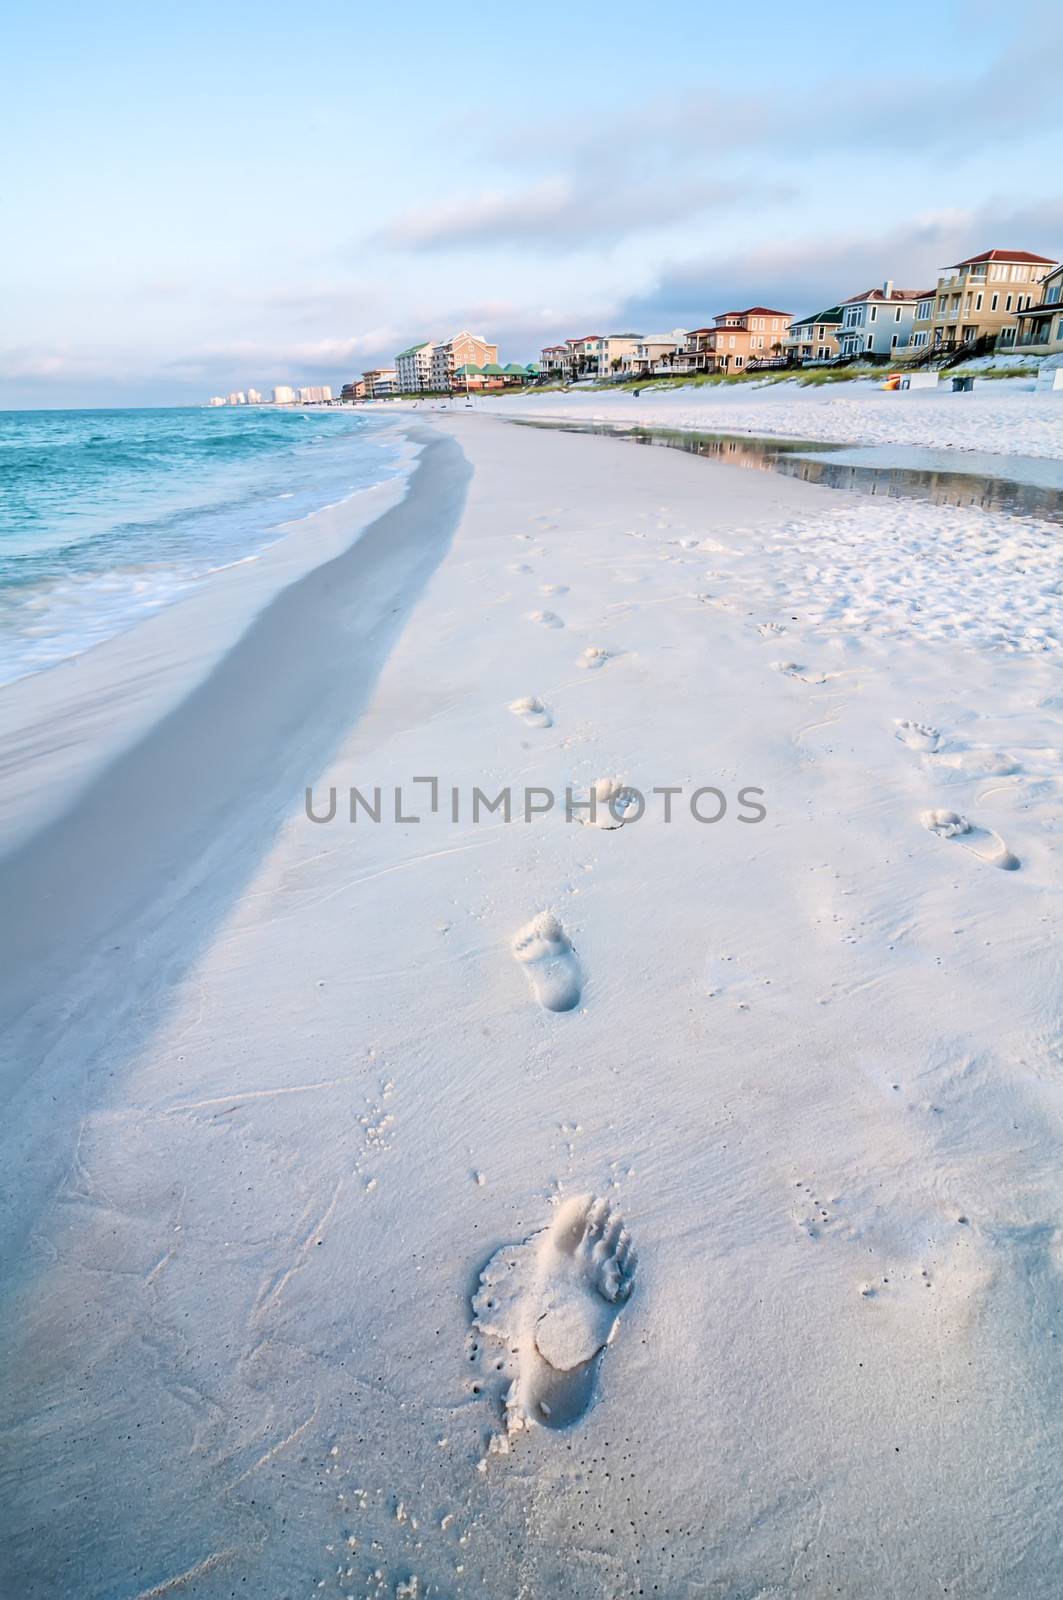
[
  {"x": 467, "y": 1207},
  {"x": 1002, "y": 416}
]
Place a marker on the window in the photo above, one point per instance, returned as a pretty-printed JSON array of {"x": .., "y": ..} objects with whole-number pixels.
[
  {"x": 1052, "y": 295},
  {"x": 873, "y": 313},
  {"x": 978, "y": 302},
  {"x": 897, "y": 314},
  {"x": 1007, "y": 303},
  {"x": 870, "y": 341},
  {"x": 994, "y": 302}
]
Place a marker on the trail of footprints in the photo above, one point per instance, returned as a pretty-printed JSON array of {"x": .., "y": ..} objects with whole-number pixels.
[
  {"x": 963, "y": 762},
  {"x": 546, "y": 1308}
]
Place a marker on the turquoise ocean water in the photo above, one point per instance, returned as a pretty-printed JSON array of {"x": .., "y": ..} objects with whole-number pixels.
[{"x": 105, "y": 516}]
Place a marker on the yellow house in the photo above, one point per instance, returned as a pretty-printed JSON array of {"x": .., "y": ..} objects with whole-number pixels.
[
  {"x": 1040, "y": 327},
  {"x": 980, "y": 298}
]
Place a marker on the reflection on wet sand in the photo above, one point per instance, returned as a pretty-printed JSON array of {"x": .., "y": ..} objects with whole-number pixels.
[{"x": 815, "y": 462}]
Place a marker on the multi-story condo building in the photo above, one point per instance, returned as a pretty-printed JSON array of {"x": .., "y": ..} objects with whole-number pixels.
[
  {"x": 315, "y": 394},
  {"x": 283, "y": 395},
  {"x": 461, "y": 350},
  {"x": 238, "y": 398},
  {"x": 814, "y": 339},
  {"x": 413, "y": 368},
  {"x": 981, "y": 298},
  {"x": 353, "y": 391},
  {"x": 735, "y": 339},
  {"x": 877, "y": 321},
  {"x": 253, "y": 397},
  {"x": 380, "y": 383},
  {"x": 1039, "y": 328},
  {"x": 216, "y": 400}
]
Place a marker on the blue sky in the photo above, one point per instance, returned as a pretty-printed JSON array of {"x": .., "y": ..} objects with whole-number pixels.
[{"x": 203, "y": 197}]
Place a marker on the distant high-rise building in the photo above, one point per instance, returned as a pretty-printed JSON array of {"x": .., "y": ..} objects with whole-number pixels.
[
  {"x": 216, "y": 400},
  {"x": 315, "y": 394},
  {"x": 253, "y": 397},
  {"x": 283, "y": 395},
  {"x": 238, "y": 398}
]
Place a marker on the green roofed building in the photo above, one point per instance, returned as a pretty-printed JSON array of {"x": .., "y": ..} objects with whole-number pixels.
[
  {"x": 413, "y": 368},
  {"x": 813, "y": 339},
  {"x": 470, "y": 370},
  {"x": 493, "y": 370}
]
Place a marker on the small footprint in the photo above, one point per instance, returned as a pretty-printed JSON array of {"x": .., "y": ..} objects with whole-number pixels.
[
  {"x": 543, "y": 947},
  {"x": 553, "y": 588},
  {"x": 981, "y": 842},
  {"x": 593, "y": 658},
  {"x": 532, "y": 711},
  {"x": 794, "y": 669},
  {"x": 546, "y": 619},
  {"x": 552, "y": 1303},
  {"x": 613, "y": 804},
  {"x": 917, "y": 735},
  {"x": 768, "y": 630}
]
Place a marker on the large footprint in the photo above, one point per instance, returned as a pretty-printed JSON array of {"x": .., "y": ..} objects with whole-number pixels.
[
  {"x": 552, "y": 1302},
  {"x": 981, "y": 842},
  {"x": 543, "y": 948}
]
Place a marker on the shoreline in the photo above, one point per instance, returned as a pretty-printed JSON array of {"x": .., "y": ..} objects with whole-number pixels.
[
  {"x": 811, "y": 1062},
  {"x": 195, "y": 789},
  {"x": 61, "y": 725}
]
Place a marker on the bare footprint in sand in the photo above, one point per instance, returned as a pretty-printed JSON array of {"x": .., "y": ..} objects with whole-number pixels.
[
  {"x": 593, "y": 658},
  {"x": 552, "y": 1303},
  {"x": 917, "y": 735},
  {"x": 770, "y": 630},
  {"x": 981, "y": 842},
  {"x": 543, "y": 948},
  {"x": 532, "y": 712},
  {"x": 553, "y": 588},
  {"x": 613, "y": 804},
  {"x": 794, "y": 669},
  {"x": 546, "y": 619}
]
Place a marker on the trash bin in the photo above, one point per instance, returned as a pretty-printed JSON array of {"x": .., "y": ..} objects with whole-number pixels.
[{"x": 962, "y": 385}]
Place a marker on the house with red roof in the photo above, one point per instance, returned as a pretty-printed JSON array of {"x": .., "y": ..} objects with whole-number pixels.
[
  {"x": 981, "y": 299},
  {"x": 735, "y": 339}
]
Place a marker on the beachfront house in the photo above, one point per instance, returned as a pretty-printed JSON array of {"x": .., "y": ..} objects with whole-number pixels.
[
  {"x": 600, "y": 355},
  {"x": 1039, "y": 328},
  {"x": 876, "y": 322},
  {"x": 735, "y": 339},
  {"x": 654, "y": 353},
  {"x": 353, "y": 391},
  {"x": 978, "y": 301},
  {"x": 413, "y": 368},
  {"x": 813, "y": 339},
  {"x": 922, "y": 322},
  {"x": 380, "y": 383},
  {"x": 555, "y": 362},
  {"x": 460, "y": 350}
]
